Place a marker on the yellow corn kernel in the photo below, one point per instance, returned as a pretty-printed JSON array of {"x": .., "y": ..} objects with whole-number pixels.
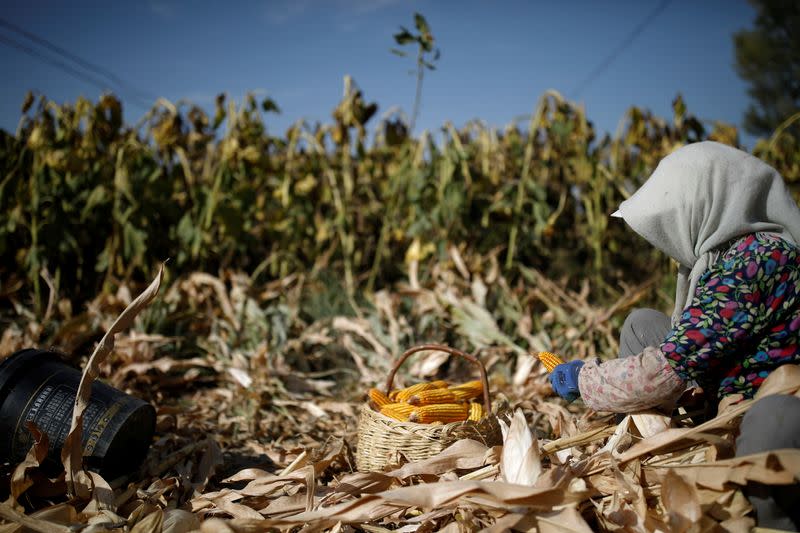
[
  {"x": 468, "y": 390},
  {"x": 549, "y": 360},
  {"x": 475, "y": 411},
  {"x": 404, "y": 394},
  {"x": 442, "y": 412},
  {"x": 428, "y": 397},
  {"x": 378, "y": 398},
  {"x": 398, "y": 411},
  {"x": 438, "y": 384}
]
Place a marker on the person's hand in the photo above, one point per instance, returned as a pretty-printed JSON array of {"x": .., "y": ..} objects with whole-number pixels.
[{"x": 564, "y": 379}]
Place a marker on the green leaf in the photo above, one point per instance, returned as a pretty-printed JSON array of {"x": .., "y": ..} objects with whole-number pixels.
[
  {"x": 269, "y": 106},
  {"x": 103, "y": 261},
  {"x": 186, "y": 229},
  {"x": 28, "y": 102},
  {"x": 220, "y": 113},
  {"x": 97, "y": 197},
  {"x": 134, "y": 242},
  {"x": 397, "y": 52},
  {"x": 404, "y": 37},
  {"x": 421, "y": 24},
  {"x": 425, "y": 43}
]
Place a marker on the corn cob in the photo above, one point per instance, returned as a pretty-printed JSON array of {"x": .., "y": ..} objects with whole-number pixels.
[
  {"x": 395, "y": 394},
  {"x": 428, "y": 397},
  {"x": 378, "y": 398},
  {"x": 404, "y": 394},
  {"x": 398, "y": 411},
  {"x": 441, "y": 412},
  {"x": 549, "y": 360},
  {"x": 475, "y": 411},
  {"x": 468, "y": 390}
]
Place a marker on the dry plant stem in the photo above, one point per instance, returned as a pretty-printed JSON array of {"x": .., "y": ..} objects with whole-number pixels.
[
  {"x": 375, "y": 529},
  {"x": 71, "y": 454},
  {"x": 779, "y": 131},
  {"x": 51, "y": 295},
  {"x": 33, "y": 524},
  {"x": 593, "y": 321},
  {"x": 689, "y": 435},
  {"x": 461, "y": 152},
  {"x": 488, "y": 471},
  {"x": 568, "y": 308},
  {"x": 294, "y": 465},
  {"x": 580, "y": 439},
  {"x": 346, "y": 239},
  {"x": 392, "y": 208},
  {"x": 174, "y": 458},
  {"x": 535, "y": 123},
  {"x": 676, "y": 460}
]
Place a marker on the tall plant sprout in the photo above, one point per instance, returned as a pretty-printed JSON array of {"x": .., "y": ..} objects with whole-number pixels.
[{"x": 426, "y": 55}]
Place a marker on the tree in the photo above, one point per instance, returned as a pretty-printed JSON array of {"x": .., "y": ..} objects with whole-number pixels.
[
  {"x": 768, "y": 58},
  {"x": 424, "y": 40}
]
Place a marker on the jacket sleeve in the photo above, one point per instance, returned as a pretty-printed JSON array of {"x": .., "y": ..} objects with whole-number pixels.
[
  {"x": 748, "y": 296},
  {"x": 630, "y": 384}
]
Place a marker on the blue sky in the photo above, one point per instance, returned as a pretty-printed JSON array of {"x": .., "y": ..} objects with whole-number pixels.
[{"x": 498, "y": 57}]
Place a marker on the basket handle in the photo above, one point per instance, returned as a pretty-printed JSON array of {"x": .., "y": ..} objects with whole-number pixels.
[{"x": 487, "y": 403}]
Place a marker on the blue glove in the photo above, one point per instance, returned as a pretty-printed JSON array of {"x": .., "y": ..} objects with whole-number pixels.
[{"x": 564, "y": 379}]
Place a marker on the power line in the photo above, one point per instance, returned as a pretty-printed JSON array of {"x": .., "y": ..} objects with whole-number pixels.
[
  {"x": 82, "y": 76},
  {"x": 637, "y": 30},
  {"x": 141, "y": 97}
]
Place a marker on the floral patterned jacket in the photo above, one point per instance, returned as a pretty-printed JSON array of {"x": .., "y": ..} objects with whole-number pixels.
[{"x": 743, "y": 322}]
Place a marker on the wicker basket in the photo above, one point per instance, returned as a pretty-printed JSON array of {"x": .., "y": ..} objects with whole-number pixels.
[{"x": 383, "y": 441}]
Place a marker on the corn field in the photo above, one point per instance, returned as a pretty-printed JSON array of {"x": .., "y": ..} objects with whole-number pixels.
[{"x": 94, "y": 202}]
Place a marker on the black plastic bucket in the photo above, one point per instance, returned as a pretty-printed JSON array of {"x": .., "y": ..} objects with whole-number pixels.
[{"x": 37, "y": 386}]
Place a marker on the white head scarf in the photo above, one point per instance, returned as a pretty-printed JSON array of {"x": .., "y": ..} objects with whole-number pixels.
[{"x": 700, "y": 198}]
